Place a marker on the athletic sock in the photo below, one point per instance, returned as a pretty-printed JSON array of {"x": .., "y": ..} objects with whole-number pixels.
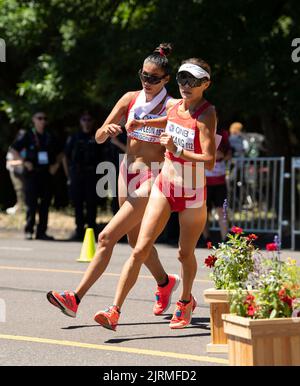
[
  {"x": 76, "y": 298},
  {"x": 185, "y": 302},
  {"x": 165, "y": 283}
]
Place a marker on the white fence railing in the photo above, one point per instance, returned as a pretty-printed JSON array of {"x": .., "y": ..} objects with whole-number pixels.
[
  {"x": 295, "y": 201},
  {"x": 255, "y": 194}
]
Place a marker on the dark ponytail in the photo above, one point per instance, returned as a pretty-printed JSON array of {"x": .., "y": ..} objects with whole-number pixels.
[{"x": 159, "y": 57}]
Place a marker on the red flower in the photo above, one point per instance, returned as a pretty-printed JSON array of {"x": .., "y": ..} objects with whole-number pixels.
[
  {"x": 249, "y": 299},
  {"x": 209, "y": 245},
  {"x": 237, "y": 230},
  {"x": 282, "y": 293},
  {"x": 251, "y": 310},
  {"x": 272, "y": 247},
  {"x": 252, "y": 237},
  {"x": 210, "y": 261},
  {"x": 284, "y": 297},
  {"x": 288, "y": 300}
]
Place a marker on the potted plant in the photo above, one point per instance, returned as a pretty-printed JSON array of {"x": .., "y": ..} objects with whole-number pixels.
[
  {"x": 231, "y": 264},
  {"x": 264, "y": 328}
]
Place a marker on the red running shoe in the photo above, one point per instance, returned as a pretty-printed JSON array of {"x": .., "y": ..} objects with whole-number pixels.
[
  {"x": 108, "y": 318},
  {"x": 183, "y": 314},
  {"x": 163, "y": 295},
  {"x": 65, "y": 301}
]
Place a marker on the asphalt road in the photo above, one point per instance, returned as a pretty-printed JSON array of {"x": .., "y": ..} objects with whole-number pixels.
[{"x": 36, "y": 333}]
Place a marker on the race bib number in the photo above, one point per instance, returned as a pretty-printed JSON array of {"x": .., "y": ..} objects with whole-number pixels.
[
  {"x": 43, "y": 158},
  {"x": 147, "y": 133},
  {"x": 182, "y": 136}
]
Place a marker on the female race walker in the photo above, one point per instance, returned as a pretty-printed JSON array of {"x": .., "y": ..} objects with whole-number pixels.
[
  {"x": 143, "y": 148},
  {"x": 189, "y": 139}
]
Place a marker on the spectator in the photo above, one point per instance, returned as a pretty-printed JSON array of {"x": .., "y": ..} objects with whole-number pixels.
[
  {"x": 40, "y": 161},
  {"x": 216, "y": 185},
  {"x": 16, "y": 171},
  {"x": 82, "y": 155},
  {"x": 237, "y": 140}
]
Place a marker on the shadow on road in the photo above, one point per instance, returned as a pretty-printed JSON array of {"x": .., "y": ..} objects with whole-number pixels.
[
  {"x": 196, "y": 322},
  {"x": 121, "y": 340}
]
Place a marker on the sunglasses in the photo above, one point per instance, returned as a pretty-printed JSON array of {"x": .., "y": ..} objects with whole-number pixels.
[
  {"x": 151, "y": 79},
  {"x": 42, "y": 118},
  {"x": 184, "y": 78}
]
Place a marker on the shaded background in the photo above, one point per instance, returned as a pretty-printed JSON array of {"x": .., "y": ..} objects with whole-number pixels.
[{"x": 67, "y": 55}]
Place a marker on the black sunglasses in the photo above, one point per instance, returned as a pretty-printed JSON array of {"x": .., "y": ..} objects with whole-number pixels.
[
  {"x": 151, "y": 79},
  {"x": 185, "y": 78},
  {"x": 42, "y": 118}
]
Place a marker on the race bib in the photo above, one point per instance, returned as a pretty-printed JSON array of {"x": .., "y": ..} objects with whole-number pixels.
[
  {"x": 147, "y": 133},
  {"x": 43, "y": 158},
  {"x": 182, "y": 136}
]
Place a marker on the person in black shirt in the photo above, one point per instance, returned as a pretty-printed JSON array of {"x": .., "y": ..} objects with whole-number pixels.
[
  {"x": 83, "y": 155},
  {"x": 40, "y": 160}
]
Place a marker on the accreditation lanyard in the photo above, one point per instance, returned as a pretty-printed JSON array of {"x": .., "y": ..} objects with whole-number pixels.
[{"x": 43, "y": 158}]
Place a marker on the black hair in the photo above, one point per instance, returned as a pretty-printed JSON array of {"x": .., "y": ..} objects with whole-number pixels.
[{"x": 159, "y": 57}]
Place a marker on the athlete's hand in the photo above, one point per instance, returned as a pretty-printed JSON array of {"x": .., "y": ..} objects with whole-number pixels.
[
  {"x": 112, "y": 130},
  {"x": 167, "y": 141},
  {"x": 134, "y": 124}
]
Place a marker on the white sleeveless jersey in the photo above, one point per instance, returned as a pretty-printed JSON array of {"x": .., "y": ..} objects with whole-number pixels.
[{"x": 147, "y": 133}]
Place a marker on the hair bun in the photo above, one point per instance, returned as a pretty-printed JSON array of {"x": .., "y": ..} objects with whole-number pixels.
[{"x": 164, "y": 49}]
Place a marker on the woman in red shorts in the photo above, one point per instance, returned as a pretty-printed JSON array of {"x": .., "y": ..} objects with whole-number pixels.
[
  {"x": 135, "y": 181},
  {"x": 189, "y": 139}
]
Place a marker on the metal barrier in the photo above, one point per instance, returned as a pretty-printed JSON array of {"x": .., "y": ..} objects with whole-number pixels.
[
  {"x": 255, "y": 195},
  {"x": 295, "y": 201}
]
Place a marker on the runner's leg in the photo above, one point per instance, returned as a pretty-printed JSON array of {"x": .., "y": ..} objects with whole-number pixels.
[
  {"x": 191, "y": 222},
  {"x": 154, "y": 221},
  {"x": 128, "y": 216},
  {"x": 152, "y": 263}
]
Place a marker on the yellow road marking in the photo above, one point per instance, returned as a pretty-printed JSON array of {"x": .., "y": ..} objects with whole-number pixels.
[
  {"x": 128, "y": 350},
  {"x": 31, "y": 269}
]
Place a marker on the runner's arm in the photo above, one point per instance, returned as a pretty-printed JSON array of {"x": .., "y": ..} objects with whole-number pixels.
[
  {"x": 160, "y": 123},
  {"x": 111, "y": 127}
]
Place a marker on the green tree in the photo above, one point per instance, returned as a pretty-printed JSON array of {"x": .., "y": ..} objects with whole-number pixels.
[{"x": 63, "y": 55}]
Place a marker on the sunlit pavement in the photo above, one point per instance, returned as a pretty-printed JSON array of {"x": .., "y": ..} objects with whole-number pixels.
[{"x": 36, "y": 333}]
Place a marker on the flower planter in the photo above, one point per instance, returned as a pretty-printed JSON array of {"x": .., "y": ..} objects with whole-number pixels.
[
  {"x": 219, "y": 305},
  {"x": 262, "y": 342}
]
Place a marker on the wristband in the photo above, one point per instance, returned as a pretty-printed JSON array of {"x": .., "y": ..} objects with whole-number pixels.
[{"x": 178, "y": 151}]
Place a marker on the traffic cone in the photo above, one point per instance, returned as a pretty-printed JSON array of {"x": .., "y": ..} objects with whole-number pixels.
[{"x": 88, "y": 248}]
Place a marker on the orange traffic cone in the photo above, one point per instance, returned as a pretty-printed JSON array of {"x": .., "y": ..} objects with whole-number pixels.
[{"x": 88, "y": 248}]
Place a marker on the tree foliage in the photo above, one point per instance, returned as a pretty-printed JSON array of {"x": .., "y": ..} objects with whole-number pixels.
[{"x": 64, "y": 55}]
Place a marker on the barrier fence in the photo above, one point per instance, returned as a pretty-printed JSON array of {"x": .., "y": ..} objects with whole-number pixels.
[
  {"x": 255, "y": 195},
  {"x": 295, "y": 201}
]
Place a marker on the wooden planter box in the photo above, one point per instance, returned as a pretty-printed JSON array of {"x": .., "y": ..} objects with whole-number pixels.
[
  {"x": 262, "y": 342},
  {"x": 219, "y": 304}
]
